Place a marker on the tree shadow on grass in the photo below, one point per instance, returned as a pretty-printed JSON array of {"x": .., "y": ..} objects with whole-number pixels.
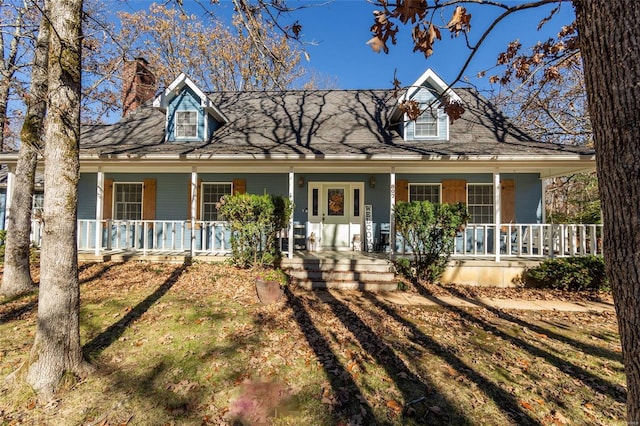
[
  {"x": 111, "y": 334},
  {"x": 104, "y": 268},
  {"x": 588, "y": 349},
  {"x": 346, "y": 391},
  {"x": 503, "y": 400},
  {"x": 27, "y": 306},
  {"x": 413, "y": 387},
  {"x": 587, "y": 378}
]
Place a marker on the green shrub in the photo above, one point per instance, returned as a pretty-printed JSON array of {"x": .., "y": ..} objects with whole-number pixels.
[
  {"x": 569, "y": 273},
  {"x": 429, "y": 230},
  {"x": 255, "y": 221}
]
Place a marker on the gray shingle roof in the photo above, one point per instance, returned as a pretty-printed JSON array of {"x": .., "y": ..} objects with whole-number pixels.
[{"x": 319, "y": 122}]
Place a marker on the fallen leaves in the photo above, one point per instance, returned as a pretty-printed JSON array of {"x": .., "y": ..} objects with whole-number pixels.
[{"x": 206, "y": 339}]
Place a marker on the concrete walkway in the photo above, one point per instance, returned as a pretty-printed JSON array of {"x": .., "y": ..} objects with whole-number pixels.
[{"x": 411, "y": 299}]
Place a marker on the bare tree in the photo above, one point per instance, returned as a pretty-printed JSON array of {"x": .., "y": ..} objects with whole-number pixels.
[
  {"x": 13, "y": 33},
  {"x": 16, "y": 278}
]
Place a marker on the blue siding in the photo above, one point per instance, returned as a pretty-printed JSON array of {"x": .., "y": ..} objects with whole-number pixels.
[
  {"x": 528, "y": 197},
  {"x": 212, "y": 124},
  {"x": 172, "y": 196},
  {"x": 425, "y": 96},
  {"x": 186, "y": 100},
  {"x": 87, "y": 195}
]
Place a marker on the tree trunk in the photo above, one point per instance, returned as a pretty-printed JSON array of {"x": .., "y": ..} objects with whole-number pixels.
[
  {"x": 609, "y": 37},
  {"x": 16, "y": 278},
  {"x": 57, "y": 349}
]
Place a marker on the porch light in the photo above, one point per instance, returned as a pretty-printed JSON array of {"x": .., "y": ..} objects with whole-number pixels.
[
  {"x": 372, "y": 181},
  {"x": 301, "y": 181}
]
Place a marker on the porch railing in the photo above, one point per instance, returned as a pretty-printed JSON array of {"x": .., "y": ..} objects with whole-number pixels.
[
  {"x": 525, "y": 240},
  {"x": 213, "y": 238}
]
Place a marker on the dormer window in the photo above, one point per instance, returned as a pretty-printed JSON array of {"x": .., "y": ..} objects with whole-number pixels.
[
  {"x": 427, "y": 125},
  {"x": 186, "y": 124}
]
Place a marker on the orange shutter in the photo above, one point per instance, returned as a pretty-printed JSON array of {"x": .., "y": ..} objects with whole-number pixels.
[
  {"x": 454, "y": 191},
  {"x": 402, "y": 190},
  {"x": 508, "y": 201},
  {"x": 239, "y": 186},
  {"x": 198, "y": 195},
  {"x": 107, "y": 199},
  {"x": 149, "y": 199}
]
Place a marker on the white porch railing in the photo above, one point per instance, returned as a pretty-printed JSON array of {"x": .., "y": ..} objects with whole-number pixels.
[
  {"x": 213, "y": 238},
  {"x": 525, "y": 240}
]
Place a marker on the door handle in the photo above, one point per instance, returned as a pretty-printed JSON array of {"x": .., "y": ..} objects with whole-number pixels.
[{"x": 322, "y": 217}]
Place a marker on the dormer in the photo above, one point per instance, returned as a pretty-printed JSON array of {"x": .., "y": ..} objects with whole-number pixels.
[
  {"x": 430, "y": 92},
  {"x": 190, "y": 114}
]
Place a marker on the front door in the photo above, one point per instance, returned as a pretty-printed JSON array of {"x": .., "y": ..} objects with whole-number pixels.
[{"x": 335, "y": 213}]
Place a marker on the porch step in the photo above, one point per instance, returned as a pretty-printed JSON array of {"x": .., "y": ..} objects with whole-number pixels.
[{"x": 341, "y": 270}]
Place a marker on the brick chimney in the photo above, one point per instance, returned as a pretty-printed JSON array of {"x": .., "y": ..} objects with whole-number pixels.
[{"x": 139, "y": 84}]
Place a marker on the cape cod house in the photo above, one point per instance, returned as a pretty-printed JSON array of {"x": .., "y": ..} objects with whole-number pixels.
[{"x": 149, "y": 182}]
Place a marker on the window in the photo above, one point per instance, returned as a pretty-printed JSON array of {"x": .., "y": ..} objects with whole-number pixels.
[
  {"x": 424, "y": 192},
  {"x": 186, "y": 124},
  {"x": 37, "y": 207},
  {"x": 128, "y": 201},
  {"x": 427, "y": 124},
  {"x": 480, "y": 203},
  {"x": 211, "y": 194}
]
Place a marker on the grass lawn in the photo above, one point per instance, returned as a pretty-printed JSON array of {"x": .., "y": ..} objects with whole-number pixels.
[{"x": 191, "y": 345}]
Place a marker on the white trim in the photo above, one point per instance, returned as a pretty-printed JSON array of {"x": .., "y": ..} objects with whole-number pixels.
[
  {"x": 497, "y": 212},
  {"x": 113, "y": 199},
  {"x": 194, "y": 210},
  {"x": 202, "y": 184},
  {"x": 99, "y": 210},
  {"x": 175, "y": 124},
  {"x": 436, "y": 123},
  {"x": 291, "y": 245},
  {"x": 489, "y": 184},
  {"x": 162, "y": 100},
  {"x": 429, "y": 76},
  {"x": 392, "y": 215},
  {"x": 11, "y": 180},
  {"x": 438, "y": 184}
]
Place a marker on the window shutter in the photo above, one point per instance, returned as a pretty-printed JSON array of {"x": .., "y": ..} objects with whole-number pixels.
[
  {"x": 239, "y": 186},
  {"x": 454, "y": 191},
  {"x": 107, "y": 199},
  {"x": 198, "y": 197},
  {"x": 508, "y": 201},
  {"x": 402, "y": 190},
  {"x": 149, "y": 199}
]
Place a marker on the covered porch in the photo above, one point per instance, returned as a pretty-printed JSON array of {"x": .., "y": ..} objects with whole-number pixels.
[{"x": 212, "y": 239}]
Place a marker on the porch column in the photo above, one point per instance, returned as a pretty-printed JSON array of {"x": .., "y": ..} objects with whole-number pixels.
[
  {"x": 194, "y": 209},
  {"x": 544, "y": 201},
  {"x": 99, "y": 210},
  {"x": 11, "y": 180},
  {"x": 291, "y": 189},
  {"x": 497, "y": 209},
  {"x": 392, "y": 215}
]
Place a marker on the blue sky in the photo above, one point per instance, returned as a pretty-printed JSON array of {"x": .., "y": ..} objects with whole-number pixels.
[{"x": 339, "y": 31}]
